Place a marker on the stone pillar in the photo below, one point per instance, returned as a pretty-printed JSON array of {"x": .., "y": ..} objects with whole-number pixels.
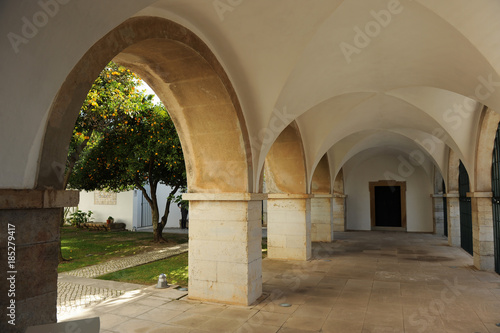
[
  {"x": 225, "y": 247},
  {"x": 453, "y": 219},
  {"x": 289, "y": 226},
  {"x": 321, "y": 218},
  {"x": 482, "y": 230},
  {"x": 438, "y": 213},
  {"x": 338, "y": 208},
  {"x": 31, "y": 218}
]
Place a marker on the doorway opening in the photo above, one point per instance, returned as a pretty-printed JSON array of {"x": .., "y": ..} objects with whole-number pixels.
[{"x": 388, "y": 205}]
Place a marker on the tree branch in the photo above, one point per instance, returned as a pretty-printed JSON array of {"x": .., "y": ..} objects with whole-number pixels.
[
  {"x": 143, "y": 190},
  {"x": 167, "y": 205},
  {"x": 74, "y": 158}
]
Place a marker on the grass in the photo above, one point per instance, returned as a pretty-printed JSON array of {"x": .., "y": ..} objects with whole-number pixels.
[
  {"x": 87, "y": 248},
  {"x": 84, "y": 248},
  {"x": 175, "y": 268}
]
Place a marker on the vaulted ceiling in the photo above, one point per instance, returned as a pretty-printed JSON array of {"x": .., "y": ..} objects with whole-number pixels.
[{"x": 404, "y": 76}]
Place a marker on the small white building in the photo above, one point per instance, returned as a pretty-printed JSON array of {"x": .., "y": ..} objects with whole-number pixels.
[{"x": 129, "y": 207}]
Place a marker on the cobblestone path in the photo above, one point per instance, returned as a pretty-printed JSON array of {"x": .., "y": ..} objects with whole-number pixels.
[
  {"x": 77, "y": 289},
  {"x": 131, "y": 261},
  {"x": 73, "y": 296}
]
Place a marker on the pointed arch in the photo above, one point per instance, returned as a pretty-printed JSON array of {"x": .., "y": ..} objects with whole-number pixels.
[
  {"x": 191, "y": 83},
  {"x": 285, "y": 166},
  {"x": 321, "y": 181}
]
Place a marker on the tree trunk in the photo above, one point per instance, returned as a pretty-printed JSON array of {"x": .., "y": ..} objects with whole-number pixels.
[
  {"x": 157, "y": 227},
  {"x": 164, "y": 218}
]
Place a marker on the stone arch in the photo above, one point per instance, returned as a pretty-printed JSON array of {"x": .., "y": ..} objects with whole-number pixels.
[
  {"x": 338, "y": 202},
  {"x": 481, "y": 204},
  {"x": 321, "y": 182},
  {"x": 453, "y": 166},
  {"x": 288, "y": 204},
  {"x": 321, "y": 203},
  {"x": 452, "y": 199},
  {"x": 484, "y": 150},
  {"x": 338, "y": 184},
  {"x": 191, "y": 83},
  {"x": 285, "y": 166}
]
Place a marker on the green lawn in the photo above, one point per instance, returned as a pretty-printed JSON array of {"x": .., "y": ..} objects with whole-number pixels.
[
  {"x": 85, "y": 248},
  {"x": 175, "y": 268},
  {"x": 92, "y": 247}
]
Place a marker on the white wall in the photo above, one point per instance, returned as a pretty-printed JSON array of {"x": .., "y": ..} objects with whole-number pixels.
[
  {"x": 358, "y": 172},
  {"x": 128, "y": 207},
  {"x": 121, "y": 212},
  {"x": 162, "y": 194}
]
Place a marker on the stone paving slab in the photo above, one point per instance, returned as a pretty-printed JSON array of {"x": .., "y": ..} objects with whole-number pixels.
[
  {"x": 362, "y": 282},
  {"x": 127, "y": 262}
]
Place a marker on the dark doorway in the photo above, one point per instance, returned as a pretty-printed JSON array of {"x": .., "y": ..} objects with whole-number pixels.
[
  {"x": 465, "y": 210},
  {"x": 445, "y": 211},
  {"x": 495, "y": 185},
  {"x": 388, "y": 204}
]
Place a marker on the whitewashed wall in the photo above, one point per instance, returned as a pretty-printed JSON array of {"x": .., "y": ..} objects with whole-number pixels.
[
  {"x": 359, "y": 173},
  {"x": 128, "y": 207}
]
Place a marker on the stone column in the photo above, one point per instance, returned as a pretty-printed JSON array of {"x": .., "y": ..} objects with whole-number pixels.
[
  {"x": 225, "y": 247},
  {"x": 321, "y": 218},
  {"x": 338, "y": 208},
  {"x": 438, "y": 213},
  {"x": 31, "y": 218},
  {"x": 289, "y": 226},
  {"x": 453, "y": 219},
  {"x": 482, "y": 230}
]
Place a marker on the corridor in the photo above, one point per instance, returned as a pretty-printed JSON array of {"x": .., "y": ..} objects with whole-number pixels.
[
  {"x": 386, "y": 282},
  {"x": 362, "y": 282}
]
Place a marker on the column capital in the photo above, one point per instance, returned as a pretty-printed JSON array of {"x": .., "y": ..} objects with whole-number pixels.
[
  {"x": 322, "y": 195},
  {"x": 290, "y": 196},
  {"x": 479, "y": 194},
  {"x": 224, "y": 196},
  {"x": 37, "y": 199},
  {"x": 452, "y": 195}
]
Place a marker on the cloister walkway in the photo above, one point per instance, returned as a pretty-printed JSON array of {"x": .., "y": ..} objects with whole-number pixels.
[{"x": 362, "y": 282}]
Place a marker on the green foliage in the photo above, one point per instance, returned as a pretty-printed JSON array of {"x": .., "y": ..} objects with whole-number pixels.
[
  {"x": 80, "y": 217},
  {"x": 123, "y": 141},
  {"x": 113, "y": 95},
  {"x": 83, "y": 247},
  {"x": 142, "y": 148},
  {"x": 130, "y": 141}
]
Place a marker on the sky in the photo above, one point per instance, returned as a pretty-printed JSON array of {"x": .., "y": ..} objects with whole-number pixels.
[{"x": 144, "y": 86}]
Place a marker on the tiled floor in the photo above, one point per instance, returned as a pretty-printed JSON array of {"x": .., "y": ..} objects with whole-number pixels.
[{"x": 362, "y": 282}]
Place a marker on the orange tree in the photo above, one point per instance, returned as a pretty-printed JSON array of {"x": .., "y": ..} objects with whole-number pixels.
[
  {"x": 113, "y": 95},
  {"x": 138, "y": 148}
]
